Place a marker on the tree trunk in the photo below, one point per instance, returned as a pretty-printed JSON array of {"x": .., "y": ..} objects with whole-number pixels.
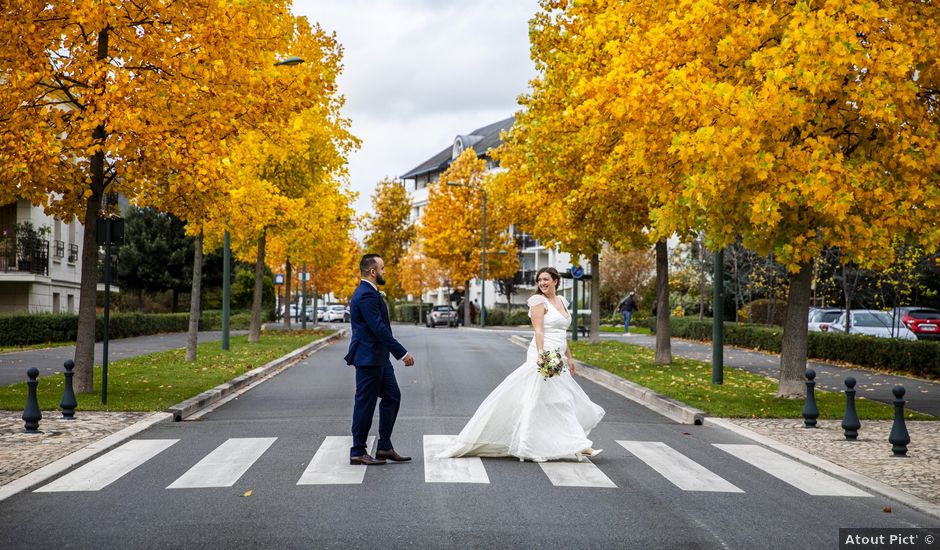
[
  {"x": 287, "y": 319},
  {"x": 595, "y": 299},
  {"x": 663, "y": 330},
  {"x": 195, "y": 300},
  {"x": 466, "y": 304},
  {"x": 85, "y": 337},
  {"x": 88, "y": 294},
  {"x": 701, "y": 279},
  {"x": 254, "y": 332},
  {"x": 793, "y": 350},
  {"x": 848, "y": 300}
]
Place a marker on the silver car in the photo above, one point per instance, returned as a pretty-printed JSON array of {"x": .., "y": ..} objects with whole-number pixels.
[
  {"x": 820, "y": 319},
  {"x": 873, "y": 323}
]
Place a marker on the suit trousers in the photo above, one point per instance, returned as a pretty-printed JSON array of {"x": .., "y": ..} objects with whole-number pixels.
[{"x": 373, "y": 383}]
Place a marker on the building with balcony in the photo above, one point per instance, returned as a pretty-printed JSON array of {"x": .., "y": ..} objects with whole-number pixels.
[
  {"x": 40, "y": 269},
  {"x": 533, "y": 255}
]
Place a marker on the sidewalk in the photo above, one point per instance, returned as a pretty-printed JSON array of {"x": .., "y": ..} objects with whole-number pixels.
[{"x": 49, "y": 361}]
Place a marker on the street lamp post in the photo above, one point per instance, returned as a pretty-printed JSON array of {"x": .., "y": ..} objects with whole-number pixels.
[
  {"x": 227, "y": 247},
  {"x": 303, "y": 297},
  {"x": 483, "y": 248}
]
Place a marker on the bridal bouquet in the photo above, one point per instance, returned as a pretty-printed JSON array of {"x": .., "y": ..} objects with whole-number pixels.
[{"x": 550, "y": 363}]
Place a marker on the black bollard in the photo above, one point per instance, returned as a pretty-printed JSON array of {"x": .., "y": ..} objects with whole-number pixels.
[
  {"x": 899, "y": 437},
  {"x": 850, "y": 422},
  {"x": 68, "y": 402},
  {"x": 810, "y": 411},
  {"x": 31, "y": 414}
]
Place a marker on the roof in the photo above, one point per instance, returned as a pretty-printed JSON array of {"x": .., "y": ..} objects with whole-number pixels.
[{"x": 481, "y": 140}]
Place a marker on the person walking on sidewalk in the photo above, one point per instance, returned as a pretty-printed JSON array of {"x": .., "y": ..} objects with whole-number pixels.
[{"x": 626, "y": 307}]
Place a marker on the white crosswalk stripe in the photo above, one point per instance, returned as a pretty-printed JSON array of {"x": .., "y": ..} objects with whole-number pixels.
[
  {"x": 225, "y": 465},
  {"x": 576, "y": 474},
  {"x": 108, "y": 468},
  {"x": 792, "y": 472},
  {"x": 682, "y": 471},
  {"x": 450, "y": 470},
  {"x": 330, "y": 465}
]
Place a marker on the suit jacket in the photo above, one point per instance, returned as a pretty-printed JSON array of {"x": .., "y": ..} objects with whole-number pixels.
[{"x": 372, "y": 339}]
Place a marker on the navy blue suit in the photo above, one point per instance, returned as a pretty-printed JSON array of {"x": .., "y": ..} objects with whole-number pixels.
[{"x": 371, "y": 344}]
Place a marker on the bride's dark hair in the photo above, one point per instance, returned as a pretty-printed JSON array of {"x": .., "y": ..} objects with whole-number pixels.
[{"x": 554, "y": 275}]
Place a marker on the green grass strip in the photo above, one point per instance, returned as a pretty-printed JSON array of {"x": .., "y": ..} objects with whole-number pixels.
[
  {"x": 743, "y": 394},
  {"x": 155, "y": 381}
]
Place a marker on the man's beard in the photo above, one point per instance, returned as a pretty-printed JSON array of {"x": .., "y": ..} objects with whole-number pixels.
[{"x": 379, "y": 280}]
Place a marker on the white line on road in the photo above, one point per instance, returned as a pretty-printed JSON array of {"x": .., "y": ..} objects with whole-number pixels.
[
  {"x": 223, "y": 466},
  {"x": 330, "y": 465},
  {"x": 576, "y": 474},
  {"x": 682, "y": 471},
  {"x": 450, "y": 470},
  {"x": 108, "y": 468},
  {"x": 804, "y": 478}
]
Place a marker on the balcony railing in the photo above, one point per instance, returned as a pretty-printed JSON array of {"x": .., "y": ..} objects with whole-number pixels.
[
  {"x": 15, "y": 257},
  {"x": 73, "y": 253},
  {"x": 59, "y": 249},
  {"x": 524, "y": 278}
]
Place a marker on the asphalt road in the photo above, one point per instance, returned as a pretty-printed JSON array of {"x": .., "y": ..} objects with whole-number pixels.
[{"x": 394, "y": 507}]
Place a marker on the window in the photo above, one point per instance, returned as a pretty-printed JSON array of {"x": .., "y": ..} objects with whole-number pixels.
[
  {"x": 71, "y": 303},
  {"x": 924, "y": 314}
]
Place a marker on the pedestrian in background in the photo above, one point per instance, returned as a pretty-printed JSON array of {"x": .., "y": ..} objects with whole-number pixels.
[{"x": 626, "y": 307}]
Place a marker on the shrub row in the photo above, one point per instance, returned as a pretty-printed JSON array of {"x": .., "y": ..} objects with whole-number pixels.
[
  {"x": 919, "y": 357},
  {"x": 30, "y": 329},
  {"x": 501, "y": 317}
]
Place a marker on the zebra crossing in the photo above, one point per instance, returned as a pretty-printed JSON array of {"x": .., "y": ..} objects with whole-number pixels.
[{"x": 230, "y": 461}]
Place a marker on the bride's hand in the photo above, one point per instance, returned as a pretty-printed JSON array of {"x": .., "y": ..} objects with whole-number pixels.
[{"x": 571, "y": 365}]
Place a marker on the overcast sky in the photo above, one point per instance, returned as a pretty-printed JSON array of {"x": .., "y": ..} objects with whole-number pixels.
[{"x": 419, "y": 72}]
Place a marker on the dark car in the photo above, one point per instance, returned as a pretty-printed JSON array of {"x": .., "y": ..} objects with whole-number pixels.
[
  {"x": 442, "y": 315},
  {"x": 924, "y": 322}
]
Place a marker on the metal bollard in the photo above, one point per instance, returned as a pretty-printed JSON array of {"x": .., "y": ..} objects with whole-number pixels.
[
  {"x": 850, "y": 421},
  {"x": 68, "y": 402},
  {"x": 31, "y": 414},
  {"x": 899, "y": 437},
  {"x": 810, "y": 411}
]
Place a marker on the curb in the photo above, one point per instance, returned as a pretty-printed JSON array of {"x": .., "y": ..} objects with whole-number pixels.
[
  {"x": 181, "y": 410},
  {"x": 845, "y": 474},
  {"x": 184, "y": 409},
  {"x": 670, "y": 408}
]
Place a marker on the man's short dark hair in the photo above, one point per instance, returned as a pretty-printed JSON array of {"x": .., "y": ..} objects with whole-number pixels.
[{"x": 367, "y": 262}]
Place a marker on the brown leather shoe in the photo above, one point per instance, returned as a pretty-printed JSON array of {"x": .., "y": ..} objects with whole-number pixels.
[
  {"x": 366, "y": 460},
  {"x": 392, "y": 455}
]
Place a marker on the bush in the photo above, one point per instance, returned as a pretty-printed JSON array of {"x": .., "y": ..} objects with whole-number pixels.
[
  {"x": 31, "y": 329},
  {"x": 408, "y": 312},
  {"x": 916, "y": 357},
  {"x": 501, "y": 317}
]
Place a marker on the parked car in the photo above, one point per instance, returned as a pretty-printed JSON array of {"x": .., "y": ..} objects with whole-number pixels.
[
  {"x": 321, "y": 313},
  {"x": 820, "y": 319},
  {"x": 294, "y": 308},
  {"x": 924, "y": 322},
  {"x": 873, "y": 323},
  {"x": 336, "y": 313},
  {"x": 442, "y": 315}
]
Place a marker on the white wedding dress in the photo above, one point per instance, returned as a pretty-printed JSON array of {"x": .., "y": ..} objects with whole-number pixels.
[{"x": 528, "y": 416}]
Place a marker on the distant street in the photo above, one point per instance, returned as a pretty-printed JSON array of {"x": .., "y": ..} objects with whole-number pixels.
[{"x": 270, "y": 470}]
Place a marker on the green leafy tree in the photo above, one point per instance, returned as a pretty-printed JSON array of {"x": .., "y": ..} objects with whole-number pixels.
[{"x": 156, "y": 256}]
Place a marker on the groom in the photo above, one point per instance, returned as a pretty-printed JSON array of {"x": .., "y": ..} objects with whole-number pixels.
[{"x": 371, "y": 343}]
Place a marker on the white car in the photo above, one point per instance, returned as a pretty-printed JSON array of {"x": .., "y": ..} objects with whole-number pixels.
[
  {"x": 321, "y": 313},
  {"x": 335, "y": 313},
  {"x": 873, "y": 323},
  {"x": 820, "y": 319}
]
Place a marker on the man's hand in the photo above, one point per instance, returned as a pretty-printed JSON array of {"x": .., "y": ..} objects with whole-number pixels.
[{"x": 408, "y": 359}]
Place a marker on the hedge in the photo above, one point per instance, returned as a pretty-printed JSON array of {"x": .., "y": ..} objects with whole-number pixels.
[
  {"x": 30, "y": 329},
  {"x": 918, "y": 357}
]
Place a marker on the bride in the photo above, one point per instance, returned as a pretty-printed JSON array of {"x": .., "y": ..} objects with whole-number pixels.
[{"x": 529, "y": 416}]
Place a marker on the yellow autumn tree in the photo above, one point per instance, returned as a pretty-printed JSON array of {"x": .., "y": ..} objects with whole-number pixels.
[
  {"x": 141, "y": 99},
  {"x": 420, "y": 273},
  {"x": 451, "y": 226},
  {"x": 796, "y": 126},
  {"x": 342, "y": 276},
  {"x": 390, "y": 229}
]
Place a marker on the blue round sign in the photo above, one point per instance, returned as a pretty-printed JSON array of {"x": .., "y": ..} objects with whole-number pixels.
[
  {"x": 576, "y": 271},
  {"x": 278, "y": 279}
]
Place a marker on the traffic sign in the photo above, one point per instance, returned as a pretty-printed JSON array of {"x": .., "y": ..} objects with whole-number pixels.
[
  {"x": 279, "y": 279},
  {"x": 576, "y": 271}
]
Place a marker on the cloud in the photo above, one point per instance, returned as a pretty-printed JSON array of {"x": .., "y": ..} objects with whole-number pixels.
[{"x": 419, "y": 72}]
